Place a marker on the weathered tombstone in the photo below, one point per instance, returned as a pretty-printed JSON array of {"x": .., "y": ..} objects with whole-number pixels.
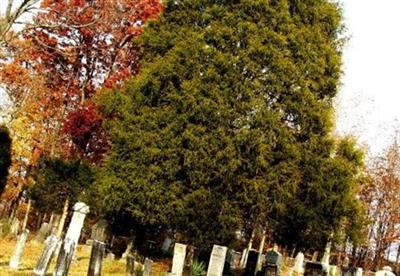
[
  {"x": 273, "y": 261},
  {"x": 334, "y": 271},
  {"x": 148, "y": 264},
  {"x": 315, "y": 269},
  {"x": 233, "y": 259},
  {"x": 386, "y": 271},
  {"x": 359, "y": 271},
  {"x": 326, "y": 256},
  {"x": 99, "y": 236},
  {"x": 217, "y": 261},
  {"x": 47, "y": 254},
  {"x": 71, "y": 239},
  {"x": 19, "y": 249},
  {"x": 178, "y": 261},
  {"x": 315, "y": 257},
  {"x": 299, "y": 263},
  {"x": 43, "y": 232},
  {"x": 128, "y": 250},
  {"x": 14, "y": 226},
  {"x": 130, "y": 265},
  {"x": 251, "y": 265},
  {"x": 166, "y": 245}
]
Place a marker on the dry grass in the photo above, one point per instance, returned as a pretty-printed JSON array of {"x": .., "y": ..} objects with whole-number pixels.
[{"x": 78, "y": 268}]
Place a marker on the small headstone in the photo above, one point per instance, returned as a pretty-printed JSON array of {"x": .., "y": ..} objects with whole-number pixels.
[
  {"x": 217, "y": 261},
  {"x": 130, "y": 265},
  {"x": 110, "y": 256},
  {"x": 19, "y": 249},
  {"x": 314, "y": 258},
  {"x": 166, "y": 245},
  {"x": 386, "y": 271},
  {"x": 71, "y": 239},
  {"x": 99, "y": 235},
  {"x": 47, "y": 254},
  {"x": 315, "y": 269},
  {"x": 326, "y": 256},
  {"x": 334, "y": 271},
  {"x": 128, "y": 250},
  {"x": 299, "y": 263},
  {"x": 178, "y": 260},
  {"x": 148, "y": 264},
  {"x": 251, "y": 264},
  {"x": 96, "y": 258},
  {"x": 43, "y": 232},
  {"x": 15, "y": 226},
  {"x": 359, "y": 271},
  {"x": 273, "y": 261}
]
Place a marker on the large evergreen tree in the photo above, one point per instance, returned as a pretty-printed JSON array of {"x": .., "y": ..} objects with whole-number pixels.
[{"x": 228, "y": 123}]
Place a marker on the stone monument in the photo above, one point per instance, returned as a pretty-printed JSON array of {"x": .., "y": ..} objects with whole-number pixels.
[
  {"x": 178, "y": 261},
  {"x": 217, "y": 261},
  {"x": 19, "y": 249}
]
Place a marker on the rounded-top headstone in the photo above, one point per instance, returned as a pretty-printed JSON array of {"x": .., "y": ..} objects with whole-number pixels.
[{"x": 81, "y": 208}]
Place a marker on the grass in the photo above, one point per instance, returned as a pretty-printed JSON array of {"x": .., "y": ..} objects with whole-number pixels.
[{"x": 78, "y": 268}]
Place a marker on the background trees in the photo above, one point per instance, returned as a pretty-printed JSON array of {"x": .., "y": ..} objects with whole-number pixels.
[
  {"x": 5, "y": 155},
  {"x": 228, "y": 124}
]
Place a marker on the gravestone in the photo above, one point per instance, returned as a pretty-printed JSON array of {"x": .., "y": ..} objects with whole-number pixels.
[
  {"x": 314, "y": 258},
  {"x": 15, "y": 226},
  {"x": 128, "y": 250},
  {"x": 299, "y": 263},
  {"x": 233, "y": 259},
  {"x": 217, "y": 261},
  {"x": 99, "y": 235},
  {"x": 386, "y": 271},
  {"x": 326, "y": 256},
  {"x": 178, "y": 261},
  {"x": 148, "y": 264},
  {"x": 251, "y": 265},
  {"x": 43, "y": 232},
  {"x": 19, "y": 249},
  {"x": 273, "y": 261},
  {"x": 47, "y": 254},
  {"x": 315, "y": 269},
  {"x": 130, "y": 265},
  {"x": 71, "y": 239},
  {"x": 359, "y": 271},
  {"x": 334, "y": 271},
  {"x": 166, "y": 245}
]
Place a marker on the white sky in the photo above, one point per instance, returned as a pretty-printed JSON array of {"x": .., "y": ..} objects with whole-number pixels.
[
  {"x": 368, "y": 102},
  {"x": 367, "y": 105}
]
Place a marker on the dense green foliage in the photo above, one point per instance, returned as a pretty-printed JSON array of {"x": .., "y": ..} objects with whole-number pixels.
[
  {"x": 57, "y": 180},
  {"x": 229, "y": 124},
  {"x": 5, "y": 155}
]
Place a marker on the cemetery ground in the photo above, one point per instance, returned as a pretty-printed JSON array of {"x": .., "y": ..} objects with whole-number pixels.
[{"x": 78, "y": 267}]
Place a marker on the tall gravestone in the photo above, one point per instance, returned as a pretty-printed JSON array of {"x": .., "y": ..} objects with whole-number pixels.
[
  {"x": 19, "y": 249},
  {"x": 251, "y": 264},
  {"x": 217, "y": 261},
  {"x": 47, "y": 254},
  {"x": 43, "y": 232},
  {"x": 71, "y": 239},
  {"x": 178, "y": 261},
  {"x": 299, "y": 263},
  {"x": 148, "y": 266},
  {"x": 99, "y": 236}
]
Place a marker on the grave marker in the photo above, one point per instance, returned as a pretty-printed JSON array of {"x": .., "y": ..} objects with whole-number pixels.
[
  {"x": 217, "y": 261},
  {"x": 178, "y": 260}
]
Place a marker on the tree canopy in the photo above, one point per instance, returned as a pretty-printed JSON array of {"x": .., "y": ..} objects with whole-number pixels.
[{"x": 229, "y": 123}]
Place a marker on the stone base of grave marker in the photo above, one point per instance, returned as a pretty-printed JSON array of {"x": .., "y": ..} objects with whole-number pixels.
[
  {"x": 46, "y": 255},
  {"x": 65, "y": 258},
  {"x": 96, "y": 258},
  {"x": 19, "y": 249}
]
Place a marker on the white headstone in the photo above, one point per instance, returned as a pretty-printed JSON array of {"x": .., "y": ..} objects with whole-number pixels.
[
  {"x": 148, "y": 264},
  {"x": 299, "y": 263},
  {"x": 359, "y": 271},
  {"x": 217, "y": 261},
  {"x": 19, "y": 249},
  {"x": 178, "y": 260},
  {"x": 326, "y": 256},
  {"x": 76, "y": 224},
  {"x": 386, "y": 271}
]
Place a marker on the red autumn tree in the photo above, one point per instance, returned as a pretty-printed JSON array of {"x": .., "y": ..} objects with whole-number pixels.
[{"x": 77, "y": 47}]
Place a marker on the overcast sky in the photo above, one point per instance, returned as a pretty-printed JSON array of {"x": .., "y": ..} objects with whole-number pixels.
[
  {"x": 369, "y": 99},
  {"x": 367, "y": 105}
]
